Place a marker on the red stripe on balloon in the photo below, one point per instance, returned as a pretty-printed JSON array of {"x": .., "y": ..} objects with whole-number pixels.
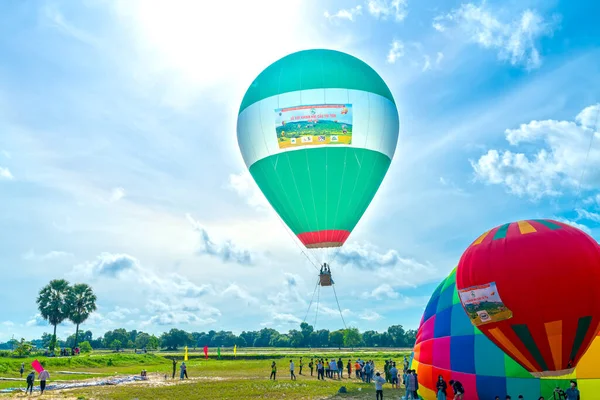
[{"x": 314, "y": 239}]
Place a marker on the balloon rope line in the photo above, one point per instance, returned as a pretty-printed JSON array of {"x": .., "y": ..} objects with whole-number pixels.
[
  {"x": 317, "y": 312},
  {"x": 339, "y": 308},
  {"x": 594, "y": 130},
  {"x": 311, "y": 300},
  {"x": 296, "y": 243}
]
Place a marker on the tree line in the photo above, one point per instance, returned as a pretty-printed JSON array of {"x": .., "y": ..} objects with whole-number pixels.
[
  {"x": 59, "y": 301},
  {"x": 306, "y": 336}
]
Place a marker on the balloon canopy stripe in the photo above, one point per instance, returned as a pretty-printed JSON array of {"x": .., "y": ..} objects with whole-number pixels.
[
  {"x": 516, "y": 228},
  {"x": 501, "y": 232},
  {"x": 555, "y": 339},
  {"x": 523, "y": 333},
  {"x": 312, "y": 195},
  {"x": 315, "y": 69},
  {"x": 583, "y": 326},
  {"x": 327, "y": 238}
]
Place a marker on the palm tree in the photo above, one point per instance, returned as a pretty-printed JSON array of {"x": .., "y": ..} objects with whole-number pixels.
[
  {"x": 82, "y": 302},
  {"x": 52, "y": 303}
]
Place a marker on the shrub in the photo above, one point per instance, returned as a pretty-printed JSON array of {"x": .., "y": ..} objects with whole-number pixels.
[{"x": 85, "y": 347}]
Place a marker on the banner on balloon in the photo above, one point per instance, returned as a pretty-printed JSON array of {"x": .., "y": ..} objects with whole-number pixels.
[
  {"x": 483, "y": 304},
  {"x": 314, "y": 125}
]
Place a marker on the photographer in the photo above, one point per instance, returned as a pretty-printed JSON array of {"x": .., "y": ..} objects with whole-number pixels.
[{"x": 572, "y": 393}]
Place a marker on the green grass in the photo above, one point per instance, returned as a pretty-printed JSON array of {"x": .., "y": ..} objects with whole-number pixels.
[{"x": 245, "y": 377}]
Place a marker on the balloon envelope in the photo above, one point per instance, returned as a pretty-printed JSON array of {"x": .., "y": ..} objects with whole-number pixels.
[
  {"x": 531, "y": 287},
  {"x": 448, "y": 344},
  {"x": 318, "y": 129}
]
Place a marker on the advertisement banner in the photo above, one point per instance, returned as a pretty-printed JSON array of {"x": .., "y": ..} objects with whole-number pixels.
[
  {"x": 483, "y": 304},
  {"x": 314, "y": 125}
]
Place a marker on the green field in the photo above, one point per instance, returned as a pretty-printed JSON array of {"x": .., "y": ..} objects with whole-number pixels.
[{"x": 245, "y": 377}]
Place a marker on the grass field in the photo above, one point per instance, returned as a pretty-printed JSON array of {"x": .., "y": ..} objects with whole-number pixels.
[{"x": 246, "y": 377}]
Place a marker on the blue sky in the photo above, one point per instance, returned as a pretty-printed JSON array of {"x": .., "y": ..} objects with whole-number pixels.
[{"x": 119, "y": 164}]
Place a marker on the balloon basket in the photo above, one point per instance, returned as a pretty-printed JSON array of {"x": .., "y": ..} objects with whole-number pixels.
[{"x": 325, "y": 279}]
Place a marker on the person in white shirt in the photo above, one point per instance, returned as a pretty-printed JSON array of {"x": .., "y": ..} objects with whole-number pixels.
[
  {"x": 292, "y": 375},
  {"x": 379, "y": 381},
  {"x": 44, "y": 375},
  {"x": 333, "y": 368}
]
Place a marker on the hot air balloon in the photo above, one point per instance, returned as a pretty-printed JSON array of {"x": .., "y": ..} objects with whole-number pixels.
[
  {"x": 545, "y": 311},
  {"x": 321, "y": 174},
  {"x": 319, "y": 180}
]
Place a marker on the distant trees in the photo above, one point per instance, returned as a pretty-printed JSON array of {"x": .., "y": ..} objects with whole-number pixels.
[
  {"x": 352, "y": 337},
  {"x": 52, "y": 303},
  {"x": 81, "y": 302},
  {"x": 58, "y": 301},
  {"x": 118, "y": 339}
]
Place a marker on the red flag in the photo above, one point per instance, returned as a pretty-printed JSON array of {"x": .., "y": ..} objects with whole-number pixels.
[
  {"x": 206, "y": 352},
  {"x": 37, "y": 366}
]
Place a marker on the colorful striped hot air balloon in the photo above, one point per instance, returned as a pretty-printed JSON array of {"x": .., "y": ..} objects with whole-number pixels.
[
  {"x": 449, "y": 345},
  {"x": 321, "y": 172},
  {"x": 545, "y": 311}
]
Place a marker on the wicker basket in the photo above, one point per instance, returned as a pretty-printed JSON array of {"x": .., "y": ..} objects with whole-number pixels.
[{"x": 325, "y": 279}]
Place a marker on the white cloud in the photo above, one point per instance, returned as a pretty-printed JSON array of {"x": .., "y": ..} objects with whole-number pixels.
[
  {"x": 383, "y": 9},
  {"x": 396, "y": 51},
  {"x": 577, "y": 225},
  {"x": 347, "y": 14},
  {"x": 589, "y": 215},
  {"x": 426, "y": 63},
  {"x": 36, "y": 320},
  {"x": 366, "y": 256},
  {"x": 6, "y": 174},
  {"x": 55, "y": 19},
  {"x": 109, "y": 265},
  {"x": 113, "y": 266},
  {"x": 8, "y": 324},
  {"x": 116, "y": 194},
  {"x": 515, "y": 39},
  {"x": 121, "y": 313},
  {"x": 438, "y": 59},
  {"x": 437, "y": 25},
  {"x": 237, "y": 292},
  {"x": 246, "y": 188},
  {"x": 51, "y": 255},
  {"x": 370, "y": 316},
  {"x": 559, "y": 166},
  {"x": 381, "y": 292},
  {"x": 226, "y": 251}
]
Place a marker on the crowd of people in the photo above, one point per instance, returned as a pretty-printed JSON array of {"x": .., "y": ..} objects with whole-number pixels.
[
  {"x": 366, "y": 372},
  {"x": 361, "y": 369}
]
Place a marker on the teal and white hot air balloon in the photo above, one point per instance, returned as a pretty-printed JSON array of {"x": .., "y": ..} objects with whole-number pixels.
[{"x": 318, "y": 130}]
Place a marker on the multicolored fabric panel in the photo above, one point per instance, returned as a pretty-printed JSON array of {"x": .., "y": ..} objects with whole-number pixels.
[
  {"x": 531, "y": 263},
  {"x": 449, "y": 345},
  {"x": 318, "y": 130}
]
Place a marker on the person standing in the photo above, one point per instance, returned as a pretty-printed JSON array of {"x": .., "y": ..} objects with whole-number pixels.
[
  {"x": 393, "y": 373},
  {"x": 340, "y": 368},
  {"x": 22, "y": 369},
  {"x": 572, "y": 392},
  {"x": 349, "y": 367},
  {"x": 292, "y": 375},
  {"x": 379, "y": 381},
  {"x": 301, "y": 365},
  {"x": 44, "y": 375},
  {"x": 30, "y": 381},
  {"x": 174, "y": 367},
  {"x": 320, "y": 370},
  {"x": 441, "y": 387},
  {"x": 273, "y": 371},
  {"x": 181, "y": 370},
  {"x": 311, "y": 365}
]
